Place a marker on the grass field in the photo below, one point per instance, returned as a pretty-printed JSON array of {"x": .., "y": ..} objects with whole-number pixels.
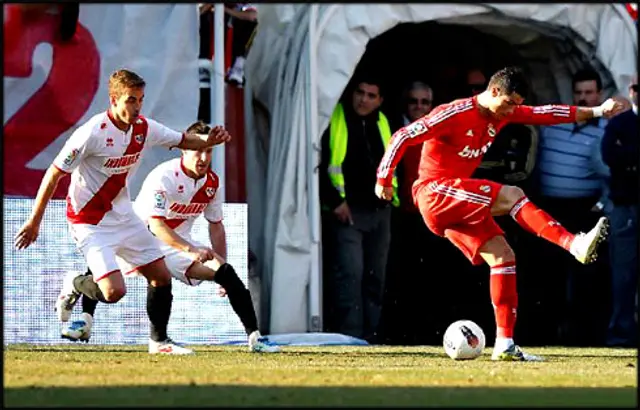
[{"x": 80, "y": 375}]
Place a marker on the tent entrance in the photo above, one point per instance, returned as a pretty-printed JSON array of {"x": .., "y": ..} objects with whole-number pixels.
[{"x": 441, "y": 53}]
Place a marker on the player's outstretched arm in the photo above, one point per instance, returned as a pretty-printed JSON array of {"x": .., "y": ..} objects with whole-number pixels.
[
  {"x": 29, "y": 231},
  {"x": 558, "y": 114},
  {"x": 217, "y": 135},
  {"x": 162, "y": 231}
]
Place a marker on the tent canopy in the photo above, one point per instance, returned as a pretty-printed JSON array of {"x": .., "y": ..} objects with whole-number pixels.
[{"x": 300, "y": 63}]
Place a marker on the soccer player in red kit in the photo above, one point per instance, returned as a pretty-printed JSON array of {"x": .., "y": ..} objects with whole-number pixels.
[{"x": 460, "y": 208}]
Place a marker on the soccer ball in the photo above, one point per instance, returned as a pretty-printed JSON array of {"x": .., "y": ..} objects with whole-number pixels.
[{"x": 463, "y": 340}]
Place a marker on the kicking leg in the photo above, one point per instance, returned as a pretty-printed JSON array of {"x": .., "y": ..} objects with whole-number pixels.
[{"x": 583, "y": 246}]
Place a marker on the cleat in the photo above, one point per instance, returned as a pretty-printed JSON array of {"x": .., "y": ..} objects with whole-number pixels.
[
  {"x": 68, "y": 297},
  {"x": 260, "y": 344},
  {"x": 585, "y": 245},
  {"x": 79, "y": 330},
  {"x": 515, "y": 354},
  {"x": 168, "y": 346}
]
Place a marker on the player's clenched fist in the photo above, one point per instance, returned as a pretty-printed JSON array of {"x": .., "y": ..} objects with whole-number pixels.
[
  {"x": 202, "y": 253},
  {"x": 614, "y": 106},
  {"x": 218, "y": 135},
  {"x": 384, "y": 192}
]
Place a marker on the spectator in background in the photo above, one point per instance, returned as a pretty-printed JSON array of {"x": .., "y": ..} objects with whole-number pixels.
[
  {"x": 356, "y": 223},
  {"x": 409, "y": 254},
  {"x": 476, "y": 82},
  {"x": 571, "y": 178},
  {"x": 620, "y": 153},
  {"x": 243, "y": 19}
]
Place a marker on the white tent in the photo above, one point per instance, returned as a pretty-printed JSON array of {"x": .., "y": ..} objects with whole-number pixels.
[{"x": 301, "y": 60}]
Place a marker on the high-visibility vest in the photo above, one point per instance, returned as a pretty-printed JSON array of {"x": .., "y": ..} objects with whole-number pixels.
[{"x": 338, "y": 145}]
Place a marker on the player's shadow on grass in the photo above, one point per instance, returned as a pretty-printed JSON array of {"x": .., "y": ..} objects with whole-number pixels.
[{"x": 247, "y": 395}]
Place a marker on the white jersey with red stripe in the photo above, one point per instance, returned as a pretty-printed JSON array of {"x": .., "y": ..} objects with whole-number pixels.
[
  {"x": 457, "y": 135},
  {"x": 101, "y": 158},
  {"x": 170, "y": 194}
]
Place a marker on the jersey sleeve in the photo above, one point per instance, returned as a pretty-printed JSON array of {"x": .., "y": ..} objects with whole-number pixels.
[
  {"x": 159, "y": 134},
  {"x": 543, "y": 115},
  {"x": 74, "y": 150},
  {"x": 415, "y": 133},
  {"x": 213, "y": 211},
  {"x": 157, "y": 196}
]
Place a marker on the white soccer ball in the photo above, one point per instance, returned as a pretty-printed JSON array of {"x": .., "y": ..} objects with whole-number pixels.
[{"x": 464, "y": 340}]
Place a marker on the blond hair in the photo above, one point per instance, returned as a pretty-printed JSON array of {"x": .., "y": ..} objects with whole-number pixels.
[{"x": 124, "y": 79}]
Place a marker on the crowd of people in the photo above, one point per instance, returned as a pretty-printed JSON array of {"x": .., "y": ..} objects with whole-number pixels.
[{"x": 389, "y": 279}]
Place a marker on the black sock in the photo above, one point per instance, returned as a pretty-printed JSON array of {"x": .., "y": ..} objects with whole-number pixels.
[
  {"x": 89, "y": 305},
  {"x": 238, "y": 295},
  {"x": 85, "y": 285},
  {"x": 159, "y": 309}
]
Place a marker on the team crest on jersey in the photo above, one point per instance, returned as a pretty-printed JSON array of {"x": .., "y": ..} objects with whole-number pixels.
[
  {"x": 491, "y": 131},
  {"x": 485, "y": 188},
  {"x": 71, "y": 157},
  {"x": 159, "y": 200},
  {"x": 139, "y": 138},
  {"x": 210, "y": 192}
]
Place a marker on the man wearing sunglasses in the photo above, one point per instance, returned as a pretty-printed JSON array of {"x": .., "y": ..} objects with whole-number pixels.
[{"x": 620, "y": 153}]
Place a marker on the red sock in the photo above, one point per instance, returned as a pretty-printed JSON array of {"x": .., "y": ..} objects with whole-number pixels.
[
  {"x": 504, "y": 297},
  {"x": 540, "y": 223}
]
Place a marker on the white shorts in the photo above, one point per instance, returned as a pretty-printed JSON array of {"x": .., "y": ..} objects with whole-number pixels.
[
  {"x": 124, "y": 247},
  {"x": 179, "y": 263}
]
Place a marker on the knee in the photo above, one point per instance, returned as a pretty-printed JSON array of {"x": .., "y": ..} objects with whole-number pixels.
[
  {"x": 508, "y": 197},
  {"x": 114, "y": 294},
  {"x": 160, "y": 277},
  {"x": 159, "y": 281},
  {"x": 511, "y": 195}
]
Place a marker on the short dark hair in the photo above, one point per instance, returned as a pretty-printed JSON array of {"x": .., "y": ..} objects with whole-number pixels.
[
  {"x": 510, "y": 80},
  {"x": 198, "y": 127},
  {"x": 369, "y": 79},
  {"x": 587, "y": 74}
]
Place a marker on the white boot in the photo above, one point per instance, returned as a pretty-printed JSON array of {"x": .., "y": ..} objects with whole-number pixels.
[{"x": 585, "y": 245}]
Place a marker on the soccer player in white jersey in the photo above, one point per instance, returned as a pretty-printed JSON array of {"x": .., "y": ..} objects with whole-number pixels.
[
  {"x": 100, "y": 155},
  {"x": 172, "y": 197}
]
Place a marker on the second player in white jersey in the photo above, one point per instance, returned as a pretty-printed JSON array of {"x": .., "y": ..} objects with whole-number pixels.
[{"x": 169, "y": 194}]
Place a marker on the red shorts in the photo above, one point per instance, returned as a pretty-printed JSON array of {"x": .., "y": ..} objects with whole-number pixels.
[{"x": 460, "y": 210}]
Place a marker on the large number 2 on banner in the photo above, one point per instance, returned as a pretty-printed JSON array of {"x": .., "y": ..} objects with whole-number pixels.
[{"x": 54, "y": 108}]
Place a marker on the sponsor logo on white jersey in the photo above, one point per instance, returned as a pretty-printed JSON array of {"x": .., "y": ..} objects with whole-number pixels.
[
  {"x": 118, "y": 165},
  {"x": 194, "y": 209}
]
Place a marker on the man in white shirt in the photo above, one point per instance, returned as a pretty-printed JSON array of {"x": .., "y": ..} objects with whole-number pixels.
[
  {"x": 172, "y": 197},
  {"x": 100, "y": 156}
]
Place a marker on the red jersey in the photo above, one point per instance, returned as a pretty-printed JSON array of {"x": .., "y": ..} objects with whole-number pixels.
[{"x": 457, "y": 135}]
